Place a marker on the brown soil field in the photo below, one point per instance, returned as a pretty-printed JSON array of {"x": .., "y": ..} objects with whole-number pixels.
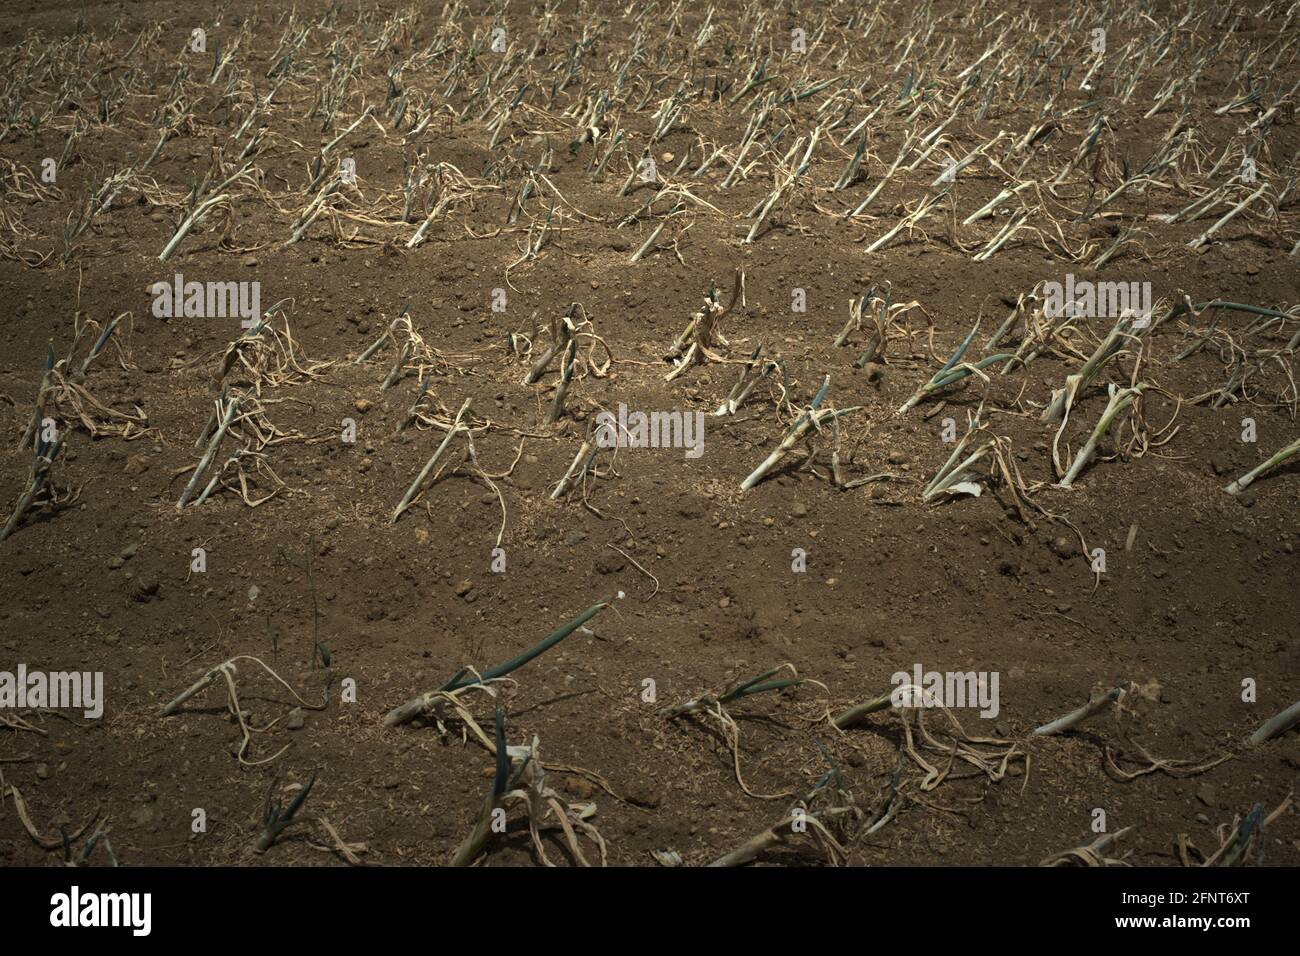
[{"x": 466, "y": 234}]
